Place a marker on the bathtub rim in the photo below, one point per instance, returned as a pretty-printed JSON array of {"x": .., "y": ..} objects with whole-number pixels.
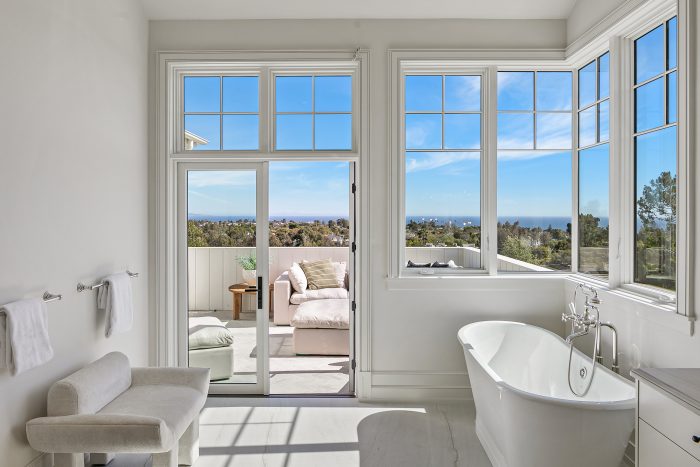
[{"x": 621, "y": 404}]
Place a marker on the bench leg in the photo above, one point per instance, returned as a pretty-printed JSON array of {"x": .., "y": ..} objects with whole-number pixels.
[
  {"x": 165, "y": 459},
  {"x": 101, "y": 458},
  {"x": 189, "y": 444},
  {"x": 69, "y": 460}
]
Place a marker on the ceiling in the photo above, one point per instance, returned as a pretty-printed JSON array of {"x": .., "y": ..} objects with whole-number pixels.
[{"x": 351, "y": 9}]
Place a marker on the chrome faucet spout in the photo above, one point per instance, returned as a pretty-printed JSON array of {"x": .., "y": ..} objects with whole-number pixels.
[{"x": 574, "y": 335}]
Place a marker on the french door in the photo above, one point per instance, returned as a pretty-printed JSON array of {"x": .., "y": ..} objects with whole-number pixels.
[{"x": 223, "y": 273}]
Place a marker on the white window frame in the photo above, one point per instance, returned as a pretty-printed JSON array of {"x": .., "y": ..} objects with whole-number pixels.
[
  {"x": 415, "y": 69},
  {"x": 617, "y": 39},
  {"x": 168, "y": 154},
  {"x": 312, "y": 72}
]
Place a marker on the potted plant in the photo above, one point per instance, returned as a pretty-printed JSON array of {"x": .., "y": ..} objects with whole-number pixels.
[{"x": 248, "y": 263}]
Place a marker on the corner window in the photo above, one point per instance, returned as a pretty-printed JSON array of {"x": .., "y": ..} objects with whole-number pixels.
[
  {"x": 656, "y": 156},
  {"x": 442, "y": 171},
  {"x": 593, "y": 166},
  {"x": 313, "y": 113},
  {"x": 221, "y": 112},
  {"x": 534, "y": 170}
]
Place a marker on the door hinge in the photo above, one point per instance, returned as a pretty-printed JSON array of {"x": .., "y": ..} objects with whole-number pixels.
[
  {"x": 354, "y": 247},
  {"x": 354, "y": 187},
  {"x": 353, "y": 364},
  {"x": 354, "y": 305}
]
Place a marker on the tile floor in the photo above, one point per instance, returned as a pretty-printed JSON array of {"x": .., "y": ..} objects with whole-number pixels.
[{"x": 337, "y": 432}]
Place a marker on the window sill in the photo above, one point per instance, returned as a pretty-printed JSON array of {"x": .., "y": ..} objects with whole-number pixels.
[
  {"x": 479, "y": 280},
  {"x": 646, "y": 306}
]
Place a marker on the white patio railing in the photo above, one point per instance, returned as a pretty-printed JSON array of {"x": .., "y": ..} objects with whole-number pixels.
[{"x": 211, "y": 270}]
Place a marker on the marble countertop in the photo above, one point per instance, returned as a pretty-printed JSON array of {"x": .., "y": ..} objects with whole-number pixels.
[{"x": 682, "y": 383}]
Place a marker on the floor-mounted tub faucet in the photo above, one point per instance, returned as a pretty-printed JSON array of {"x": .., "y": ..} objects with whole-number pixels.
[{"x": 582, "y": 323}]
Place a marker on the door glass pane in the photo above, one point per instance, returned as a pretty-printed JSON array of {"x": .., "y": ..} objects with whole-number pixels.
[
  {"x": 443, "y": 210},
  {"x": 672, "y": 98},
  {"x": 655, "y": 241},
  {"x": 221, "y": 271},
  {"x": 310, "y": 220},
  {"x": 649, "y": 103},
  {"x": 593, "y": 210}
]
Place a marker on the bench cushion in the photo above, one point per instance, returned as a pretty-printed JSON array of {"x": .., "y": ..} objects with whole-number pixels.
[
  {"x": 89, "y": 389},
  {"x": 322, "y": 314}
]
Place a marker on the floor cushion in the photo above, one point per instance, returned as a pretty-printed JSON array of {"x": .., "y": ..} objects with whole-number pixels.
[
  {"x": 206, "y": 332},
  {"x": 322, "y": 314}
]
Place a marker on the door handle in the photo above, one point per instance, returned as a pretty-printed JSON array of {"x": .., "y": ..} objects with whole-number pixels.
[{"x": 260, "y": 293}]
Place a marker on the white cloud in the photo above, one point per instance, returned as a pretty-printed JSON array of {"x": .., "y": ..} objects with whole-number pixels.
[{"x": 434, "y": 160}]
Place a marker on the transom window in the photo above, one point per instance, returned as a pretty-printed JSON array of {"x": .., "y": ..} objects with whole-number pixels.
[
  {"x": 313, "y": 113},
  {"x": 593, "y": 166},
  {"x": 442, "y": 170},
  {"x": 656, "y": 156},
  {"x": 221, "y": 112}
]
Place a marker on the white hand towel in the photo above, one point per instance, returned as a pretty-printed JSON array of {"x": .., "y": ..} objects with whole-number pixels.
[
  {"x": 116, "y": 299},
  {"x": 27, "y": 332}
]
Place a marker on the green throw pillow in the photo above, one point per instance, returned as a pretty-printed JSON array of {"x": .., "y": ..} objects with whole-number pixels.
[{"x": 320, "y": 274}]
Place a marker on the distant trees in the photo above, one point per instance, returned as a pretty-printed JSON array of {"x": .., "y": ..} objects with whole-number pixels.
[
  {"x": 241, "y": 233},
  {"x": 548, "y": 247}
]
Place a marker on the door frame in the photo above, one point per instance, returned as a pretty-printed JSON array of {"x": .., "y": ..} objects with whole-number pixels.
[
  {"x": 262, "y": 238},
  {"x": 168, "y": 67}
]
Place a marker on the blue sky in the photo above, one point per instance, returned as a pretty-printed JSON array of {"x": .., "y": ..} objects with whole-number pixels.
[
  {"x": 296, "y": 188},
  {"x": 443, "y": 140}
]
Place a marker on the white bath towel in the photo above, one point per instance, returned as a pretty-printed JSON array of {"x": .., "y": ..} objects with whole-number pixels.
[
  {"x": 116, "y": 299},
  {"x": 27, "y": 335}
]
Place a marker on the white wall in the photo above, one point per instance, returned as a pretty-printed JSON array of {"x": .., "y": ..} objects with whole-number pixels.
[
  {"x": 413, "y": 332},
  {"x": 586, "y": 14},
  {"x": 73, "y": 182}
]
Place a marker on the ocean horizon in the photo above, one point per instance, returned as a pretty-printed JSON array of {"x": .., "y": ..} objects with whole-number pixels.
[{"x": 525, "y": 221}]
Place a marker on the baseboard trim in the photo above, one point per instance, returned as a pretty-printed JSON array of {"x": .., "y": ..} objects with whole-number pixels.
[{"x": 404, "y": 386}]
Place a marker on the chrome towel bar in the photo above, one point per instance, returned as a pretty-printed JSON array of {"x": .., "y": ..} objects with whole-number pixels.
[
  {"x": 82, "y": 287},
  {"x": 49, "y": 297}
]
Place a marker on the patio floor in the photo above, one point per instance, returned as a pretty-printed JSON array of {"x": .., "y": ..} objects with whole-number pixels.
[{"x": 289, "y": 373}]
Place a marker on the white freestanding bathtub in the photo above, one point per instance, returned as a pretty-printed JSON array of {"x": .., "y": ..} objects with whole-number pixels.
[{"x": 526, "y": 414}]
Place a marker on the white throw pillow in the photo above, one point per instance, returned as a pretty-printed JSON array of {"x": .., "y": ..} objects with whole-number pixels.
[
  {"x": 340, "y": 269},
  {"x": 298, "y": 278}
]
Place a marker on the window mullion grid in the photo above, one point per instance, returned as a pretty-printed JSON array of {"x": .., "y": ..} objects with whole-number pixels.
[
  {"x": 575, "y": 189},
  {"x": 313, "y": 112}
]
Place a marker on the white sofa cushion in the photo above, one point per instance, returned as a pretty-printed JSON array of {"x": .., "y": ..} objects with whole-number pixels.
[
  {"x": 322, "y": 314},
  {"x": 340, "y": 272},
  {"x": 206, "y": 332},
  {"x": 298, "y": 278},
  {"x": 319, "y": 294}
]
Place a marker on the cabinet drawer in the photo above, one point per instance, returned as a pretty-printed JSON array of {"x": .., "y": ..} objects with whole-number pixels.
[
  {"x": 655, "y": 450},
  {"x": 670, "y": 418}
]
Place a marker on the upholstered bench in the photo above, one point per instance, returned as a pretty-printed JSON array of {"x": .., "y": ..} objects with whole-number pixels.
[
  {"x": 322, "y": 327},
  {"x": 109, "y": 407}
]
